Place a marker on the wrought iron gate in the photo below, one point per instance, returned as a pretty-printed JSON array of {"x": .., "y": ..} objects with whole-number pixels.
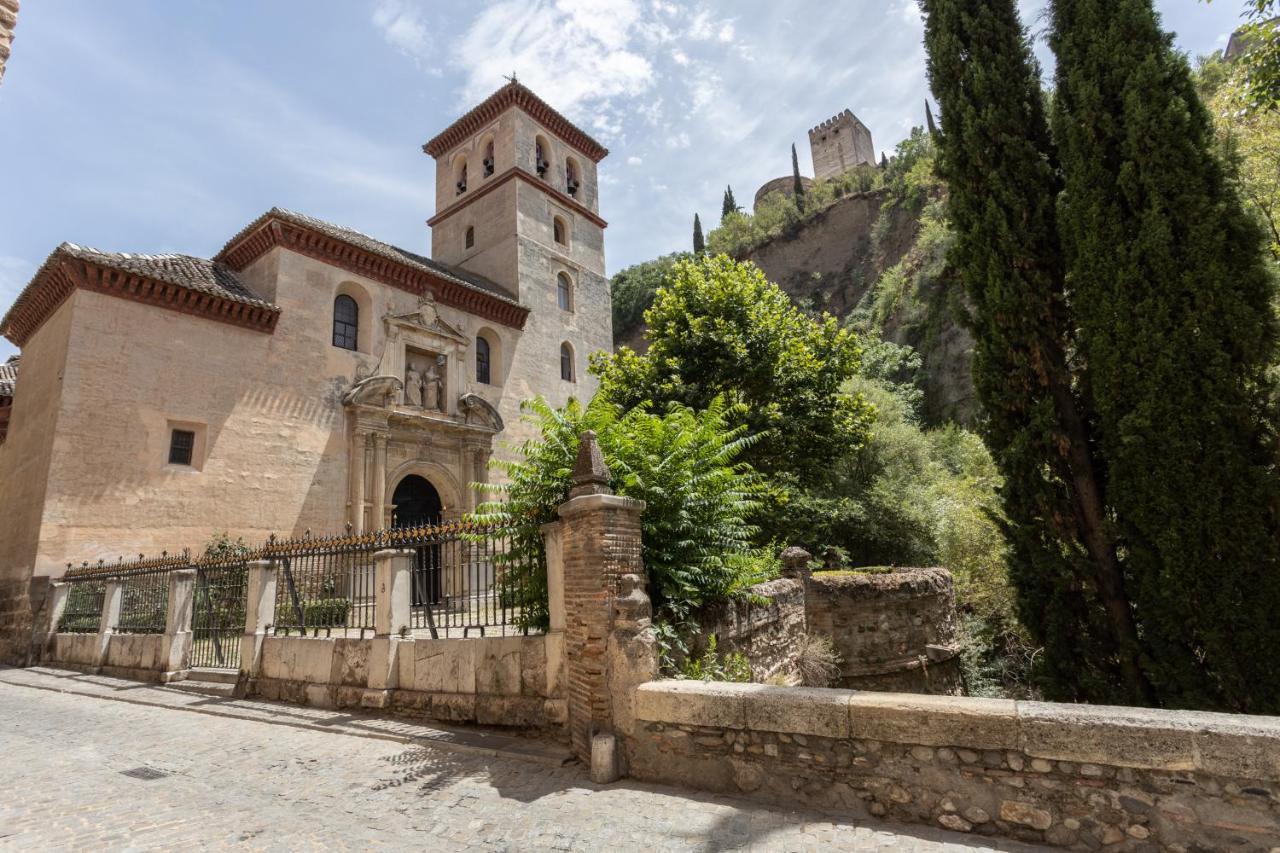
[{"x": 217, "y": 617}]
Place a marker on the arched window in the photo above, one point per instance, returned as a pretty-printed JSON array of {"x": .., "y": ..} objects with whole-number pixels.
[
  {"x": 540, "y": 157},
  {"x": 483, "y": 373},
  {"x": 488, "y": 158},
  {"x": 346, "y": 322},
  {"x": 564, "y": 292},
  {"x": 558, "y": 231},
  {"x": 471, "y": 236},
  {"x": 566, "y": 362},
  {"x": 571, "y": 180},
  {"x": 460, "y": 173}
]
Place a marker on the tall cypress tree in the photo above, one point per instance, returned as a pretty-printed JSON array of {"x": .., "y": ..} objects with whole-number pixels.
[
  {"x": 928, "y": 117},
  {"x": 1172, "y": 300},
  {"x": 699, "y": 245},
  {"x": 798, "y": 185},
  {"x": 730, "y": 204},
  {"x": 996, "y": 155}
]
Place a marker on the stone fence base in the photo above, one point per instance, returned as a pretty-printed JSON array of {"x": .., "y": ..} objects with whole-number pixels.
[{"x": 1082, "y": 777}]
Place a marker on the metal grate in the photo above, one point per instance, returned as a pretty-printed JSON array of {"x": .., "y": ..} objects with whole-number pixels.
[{"x": 469, "y": 583}]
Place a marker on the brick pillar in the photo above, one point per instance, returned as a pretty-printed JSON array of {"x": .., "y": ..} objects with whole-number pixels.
[
  {"x": 177, "y": 625},
  {"x": 600, "y": 544},
  {"x": 259, "y": 616},
  {"x": 393, "y": 573}
]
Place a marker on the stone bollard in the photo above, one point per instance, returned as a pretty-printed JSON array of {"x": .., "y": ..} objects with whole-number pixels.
[
  {"x": 259, "y": 616},
  {"x": 393, "y": 575},
  {"x": 175, "y": 655}
]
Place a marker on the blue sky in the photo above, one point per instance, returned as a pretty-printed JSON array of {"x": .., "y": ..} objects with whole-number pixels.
[{"x": 155, "y": 126}]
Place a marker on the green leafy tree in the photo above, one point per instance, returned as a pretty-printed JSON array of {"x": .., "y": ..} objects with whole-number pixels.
[
  {"x": 685, "y": 465},
  {"x": 997, "y": 158},
  {"x": 797, "y": 186},
  {"x": 1250, "y": 141},
  {"x": 1171, "y": 295},
  {"x": 730, "y": 204},
  {"x": 1260, "y": 85},
  {"x": 633, "y": 289},
  {"x": 720, "y": 328},
  {"x": 699, "y": 244}
]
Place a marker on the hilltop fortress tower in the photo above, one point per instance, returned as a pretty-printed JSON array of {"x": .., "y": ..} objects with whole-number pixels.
[{"x": 838, "y": 145}]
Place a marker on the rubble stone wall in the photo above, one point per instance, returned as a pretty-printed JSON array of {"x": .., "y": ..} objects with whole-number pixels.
[
  {"x": 893, "y": 630},
  {"x": 1073, "y": 776}
]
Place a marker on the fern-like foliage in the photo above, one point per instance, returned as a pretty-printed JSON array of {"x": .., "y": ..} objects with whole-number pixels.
[{"x": 683, "y": 464}]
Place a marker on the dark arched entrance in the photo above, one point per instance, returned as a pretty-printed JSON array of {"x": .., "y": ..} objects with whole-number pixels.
[{"x": 416, "y": 503}]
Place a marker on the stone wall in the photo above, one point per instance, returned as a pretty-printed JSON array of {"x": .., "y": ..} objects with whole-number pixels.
[
  {"x": 1086, "y": 778},
  {"x": 488, "y": 680},
  {"x": 768, "y": 632},
  {"x": 893, "y": 630}
]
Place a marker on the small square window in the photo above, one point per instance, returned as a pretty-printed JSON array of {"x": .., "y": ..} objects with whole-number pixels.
[{"x": 182, "y": 445}]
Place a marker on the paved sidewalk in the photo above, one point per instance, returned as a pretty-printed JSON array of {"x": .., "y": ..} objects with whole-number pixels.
[{"x": 160, "y": 769}]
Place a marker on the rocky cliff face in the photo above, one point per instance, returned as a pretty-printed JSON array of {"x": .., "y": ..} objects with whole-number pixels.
[{"x": 834, "y": 261}]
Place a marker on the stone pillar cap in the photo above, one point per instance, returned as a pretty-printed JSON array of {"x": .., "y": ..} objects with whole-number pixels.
[{"x": 590, "y": 474}]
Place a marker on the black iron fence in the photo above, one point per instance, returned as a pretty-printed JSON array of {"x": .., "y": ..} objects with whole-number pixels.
[
  {"x": 144, "y": 601},
  {"x": 218, "y": 605},
  {"x": 325, "y": 586},
  {"x": 467, "y": 580},
  {"x": 83, "y": 611}
]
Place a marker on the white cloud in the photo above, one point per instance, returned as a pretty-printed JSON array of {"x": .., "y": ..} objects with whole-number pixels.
[
  {"x": 403, "y": 27},
  {"x": 678, "y": 140},
  {"x": 576, "y": 53},
  {"x": 633, "y": 160}
]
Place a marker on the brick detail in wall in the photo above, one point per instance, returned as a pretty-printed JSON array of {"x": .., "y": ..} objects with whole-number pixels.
[{"x": 601, "y": 544}]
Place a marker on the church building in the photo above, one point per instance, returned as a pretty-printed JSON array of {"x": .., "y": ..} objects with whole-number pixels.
[{"x": 307, "y": 376}]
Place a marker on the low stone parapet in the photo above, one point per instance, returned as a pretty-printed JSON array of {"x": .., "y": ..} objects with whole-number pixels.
[
  {"x": 504, "y": 681},
  {"x": 1083, "y": 777}
]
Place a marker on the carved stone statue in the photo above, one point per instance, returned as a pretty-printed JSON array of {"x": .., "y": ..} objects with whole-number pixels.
[
  {"x": 412, "y": 386},
  {"x": 433, "y": 386}
]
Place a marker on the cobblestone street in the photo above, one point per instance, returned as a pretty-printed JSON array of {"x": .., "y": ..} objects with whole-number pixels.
[{"x": 81, "y": 771}]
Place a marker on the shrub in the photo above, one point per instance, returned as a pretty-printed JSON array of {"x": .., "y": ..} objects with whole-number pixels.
[
  {"x": 682, "y": 463},
  {"x": 325, "y": 612},
  {"x": 711, "y": 665},
  {"x": 817, "y": 661}
]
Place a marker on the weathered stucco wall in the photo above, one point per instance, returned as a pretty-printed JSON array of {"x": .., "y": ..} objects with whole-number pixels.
[
  {"x": 487, "y": 680},
  {"x": 1087, "y": 778},
  {"x": 894, "y": 630},
  {"x": 767, "y": 627}
]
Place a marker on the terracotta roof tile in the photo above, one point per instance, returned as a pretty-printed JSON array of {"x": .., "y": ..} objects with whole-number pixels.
[
  {"x": 371, "y": 244},
  {"x": 9, "y": 376},
  {"x": 200, "y": 274}
]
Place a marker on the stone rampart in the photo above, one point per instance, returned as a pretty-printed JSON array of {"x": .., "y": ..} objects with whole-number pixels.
[
  {"x": 1081, "y": 777},
  {"x": 767, "y": 627},
  {"x": 894, "y": 630}
]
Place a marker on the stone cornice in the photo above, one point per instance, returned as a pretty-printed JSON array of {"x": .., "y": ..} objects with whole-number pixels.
[
  {"x": 64, "y": 273},
  {"x": 517, "y": 95},
  {"x": 515, "y": 172},
  {"x": 276, "y": 231}
]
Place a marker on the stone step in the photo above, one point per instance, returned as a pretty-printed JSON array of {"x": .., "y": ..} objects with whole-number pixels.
[
  {"x": 218, "y": 676},
  {"x": 204, "y": 688}
]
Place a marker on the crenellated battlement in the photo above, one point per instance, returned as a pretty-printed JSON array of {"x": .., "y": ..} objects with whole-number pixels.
[{"x": 839, "y": 144}]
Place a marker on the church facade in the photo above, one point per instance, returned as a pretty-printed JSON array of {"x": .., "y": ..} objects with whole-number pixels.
[{"x": 307, "y": 376}]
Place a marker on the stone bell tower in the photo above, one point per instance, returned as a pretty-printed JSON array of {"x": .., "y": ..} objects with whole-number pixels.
[{"x": 517, "y": 202}]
